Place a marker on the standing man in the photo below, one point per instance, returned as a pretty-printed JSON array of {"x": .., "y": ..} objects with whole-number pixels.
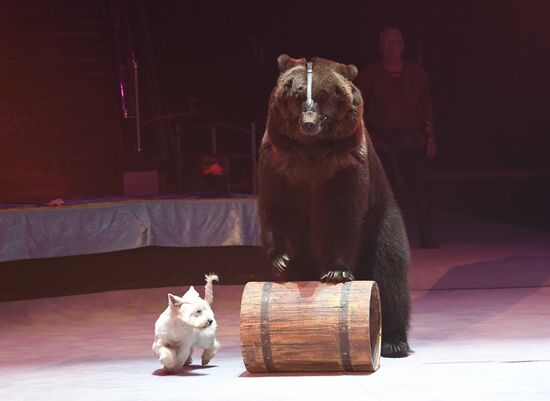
[{"x": 399, "y": 119}]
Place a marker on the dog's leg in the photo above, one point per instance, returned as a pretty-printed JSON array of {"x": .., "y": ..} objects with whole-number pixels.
[
  {"x": 167, "y": 358},
  {"x": 185, "y": 355},
  {"x": 189, "y": 359},
  {"x": 209, "y": 353}
]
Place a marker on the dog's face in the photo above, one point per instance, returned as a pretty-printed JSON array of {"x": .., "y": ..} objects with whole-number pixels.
[{"x": 192, "y": 309}]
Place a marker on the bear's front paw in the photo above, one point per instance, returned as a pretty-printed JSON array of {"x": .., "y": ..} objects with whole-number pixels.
[
  {"x": 337, "y": 276},
  {"x": 280, "y": 263},
  {"x": 399, "y": 349}
]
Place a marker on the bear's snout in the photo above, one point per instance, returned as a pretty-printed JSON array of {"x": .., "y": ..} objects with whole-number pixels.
[{"x": 310, "y": 123}]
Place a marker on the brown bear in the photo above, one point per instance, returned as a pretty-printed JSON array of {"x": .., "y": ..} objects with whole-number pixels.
[{"x": 326, "y": 209}]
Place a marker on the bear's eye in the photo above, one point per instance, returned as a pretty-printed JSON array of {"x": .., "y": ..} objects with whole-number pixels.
[
  {"x": 198, "y": 313},
  {"x": 288, "y": 84},
  {"x": 322, "y": 95},
  {"x": 338, "y": 91}
]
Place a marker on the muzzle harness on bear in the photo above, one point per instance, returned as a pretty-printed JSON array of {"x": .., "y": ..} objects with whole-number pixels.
[
  {"x": 309, "y": 100},
  {"x": 311, "y": 113}
]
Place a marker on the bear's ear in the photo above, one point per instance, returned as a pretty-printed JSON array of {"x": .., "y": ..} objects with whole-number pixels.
[
  {"x": 286, "y": 62},
  {"x": 349, "y": 71}
]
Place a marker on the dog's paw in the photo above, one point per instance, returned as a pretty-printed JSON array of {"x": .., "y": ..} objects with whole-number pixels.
[
  {"x": 398, "y": 349},
  {"x": 337, "y": 276},
  {"x": 280, "y": 264},
  {"x": 189, "y": 361},
  {"x": 209, "y": 353},
  {"x": 207, "y": 357},
  {"x": 170, "y": 364},
  {"x": 168, "y": 359}
]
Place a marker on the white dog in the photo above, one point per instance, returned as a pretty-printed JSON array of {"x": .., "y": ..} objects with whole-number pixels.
[{"x": 188, "y": 321}]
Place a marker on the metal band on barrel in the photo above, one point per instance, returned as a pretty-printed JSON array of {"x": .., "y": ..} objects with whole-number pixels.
[
  {"x": 345, "y": 356},
  {"x": 264, "y": 326}
]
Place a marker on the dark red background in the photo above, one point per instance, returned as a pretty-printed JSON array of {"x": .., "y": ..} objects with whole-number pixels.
[{"x": 60, "y": 127}]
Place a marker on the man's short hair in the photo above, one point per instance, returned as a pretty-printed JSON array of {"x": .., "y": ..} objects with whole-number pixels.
[{"x": 389, "y": 29}]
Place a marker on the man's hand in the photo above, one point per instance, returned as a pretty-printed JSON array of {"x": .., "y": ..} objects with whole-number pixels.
[{"x": 431, "y": 148}]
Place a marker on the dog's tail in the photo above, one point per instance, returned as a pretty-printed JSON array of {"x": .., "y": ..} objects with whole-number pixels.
[{"x": 208, "y": 288}]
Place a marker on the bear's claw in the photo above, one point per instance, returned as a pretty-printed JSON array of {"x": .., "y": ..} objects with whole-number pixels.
[
  {"x": 399, "y": 349},
  {"x": 337, "y": 276},
  {"x": 280, "y": 263}
]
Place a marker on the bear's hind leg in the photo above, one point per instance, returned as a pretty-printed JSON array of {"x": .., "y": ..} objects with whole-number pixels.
[{"x": 386, "y": 262}]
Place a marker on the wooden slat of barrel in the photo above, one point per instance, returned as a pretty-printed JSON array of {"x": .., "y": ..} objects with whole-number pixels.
[{"x": 310, "y": 326}]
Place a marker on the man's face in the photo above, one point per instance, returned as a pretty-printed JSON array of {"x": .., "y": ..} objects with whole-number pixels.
[{"x": 391, "y": 45}]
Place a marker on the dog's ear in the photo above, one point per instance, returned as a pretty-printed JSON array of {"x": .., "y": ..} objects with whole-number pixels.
[
  {"x": 191, "y": 292},
  {"x": 174, "y": 300}
]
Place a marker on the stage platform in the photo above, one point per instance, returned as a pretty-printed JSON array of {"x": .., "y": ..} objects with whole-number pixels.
[
  {"x": 83, "y": 227},
  {"x": 480, "y": 329},
  {"x": 497, "y": 255}
]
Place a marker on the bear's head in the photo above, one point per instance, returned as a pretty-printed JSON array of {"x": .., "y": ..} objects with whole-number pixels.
[{"x": 334, "y": 107}]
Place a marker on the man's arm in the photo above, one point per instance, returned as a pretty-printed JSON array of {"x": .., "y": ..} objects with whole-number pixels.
[{"x": 426, "y": 107}]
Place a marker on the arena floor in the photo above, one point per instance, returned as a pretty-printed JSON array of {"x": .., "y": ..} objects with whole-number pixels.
[{"x": 480, "y": 331}]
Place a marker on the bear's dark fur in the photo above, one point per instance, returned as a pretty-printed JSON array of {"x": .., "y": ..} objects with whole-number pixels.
[{"x": 326, "y": 209}]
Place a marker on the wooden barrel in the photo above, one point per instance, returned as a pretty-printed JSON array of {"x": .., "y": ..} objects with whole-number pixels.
[{"x": 310, "y": 326}]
